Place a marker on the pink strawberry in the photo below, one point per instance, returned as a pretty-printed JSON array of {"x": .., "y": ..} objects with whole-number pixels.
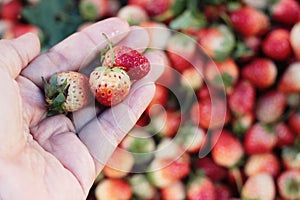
[
  {"x": 201, "y": 187},
  {"x": 294, "y": 122},
  {"x": 259, "y": 139},
  {"x": 113, "y": 189},
  {"x": 295, "y": 40},
  {"x": 289, "y": 184},
  {"x": 290, "y": 80},
  {"x": 290, "y": 156},
  {"x": 175, "y": 191},
  {"x": 258, "y": 163},
  {"x": 259, "y": 186},
  {"x": 167, "y": 123},
  {"x": 228, "y": 150},
  {"x": 261, "y": 72},
  {"x": 134, "y": 63},
  {"x": 237, "y": 99},
  {"x": 141, "y": 187},
  {"x": 285, "y": 11},
  {"x": 191, "y": 78},
  {"x": 93, "y": 10},
  {"x": 134, "y": 15},
  {"x": 244, "y": 21},
  {"x": 277, "y": 44},
  {"x": 218, "y": 42},
  {"x": 284, "y": 134},
  {"x": 110, "y": 86},
  {"x": 154, "y": 7},
  {"x": 159, "y": 100},
  {"x": 270, "y": 106},
  {"x": 242, "y": 123},
  {"x": 66, "y": 92}
]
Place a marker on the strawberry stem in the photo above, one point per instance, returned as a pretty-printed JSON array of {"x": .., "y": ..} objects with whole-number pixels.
[{"x": 111, "y": 49}]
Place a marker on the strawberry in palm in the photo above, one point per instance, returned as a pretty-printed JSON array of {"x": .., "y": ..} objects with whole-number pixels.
[{"x": 66, "y": 92}]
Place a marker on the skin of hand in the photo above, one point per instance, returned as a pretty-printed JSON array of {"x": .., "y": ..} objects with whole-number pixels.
[{"x": 56, "y": 157}]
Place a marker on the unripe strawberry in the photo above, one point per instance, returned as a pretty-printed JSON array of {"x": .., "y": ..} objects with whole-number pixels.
[{"x": 66, "y": 92}]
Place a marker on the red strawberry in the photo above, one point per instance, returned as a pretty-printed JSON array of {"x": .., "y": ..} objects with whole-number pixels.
[
  {"x": 201, "y": 187},
  {"x": 295, "y": 39},
  {"x": 289, "y": 184},
  {"x": 167, "y": 123},
  {"x": 290, "y": 80},
  {"x": 261, "y": 72},
  {"x": 141, "y": 187},
  {"x": 277, "y": 44},
  {"x": 93, "y": 10},
  {"x": 66, "y": 92},
  {"x": 284, "y": 134},
  {"x": 181, "y": 50},
  {"x": 259, "y": 186},
  {"x": 11, "y": 10},
  {"x": 210, "y": 114},
  {"x": 228, "y": 150},
  {"x": 134, "y": 15},
  {"x": 223, "y": 192},
  {"x": 153, "y": 7},
  {"x": 259, "y": 139},
  {"x": 214, "y": 12},
  {"x": 119, "y": 164},
  {"x": 165, "y": 171},
  {"x": 210, "y": 168},
  {"x": 222, "y": 74},
  {"x": 113, "y": 189},
  {"x": 258, "y": 163},
  {"x": 159, "y": 100},
  {"x": 19, "y": 29},
  {"x": 175, "y": 191},
  {"x": 134, "y": 63},
  {"x": 294, "y": 122},
  {"x": 218, "y": 42},
  {"x": 270, "y": 106},
  {"x": 285, "y": 11},
  {"x": 109, "y": 85},
  {"x": 191, "y": 78},
  {"x": 242, "y": 98},
  {"x": 244, "y": 21}
]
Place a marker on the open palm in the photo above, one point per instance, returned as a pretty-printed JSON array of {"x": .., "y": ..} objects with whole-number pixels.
[{"x": 59, "y": 158}]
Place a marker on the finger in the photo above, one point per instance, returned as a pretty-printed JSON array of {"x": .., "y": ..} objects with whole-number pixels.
[
  {"x": 17, "y": 53},
  {"x": 77, "y": 50},
  {"x": 102, "y": 135}
]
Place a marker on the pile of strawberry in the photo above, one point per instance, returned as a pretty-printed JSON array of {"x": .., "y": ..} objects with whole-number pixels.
[{"x": 225, "y": 119}]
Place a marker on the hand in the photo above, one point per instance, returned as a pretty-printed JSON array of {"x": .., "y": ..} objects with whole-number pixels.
[{"x": 43, "y": 158}]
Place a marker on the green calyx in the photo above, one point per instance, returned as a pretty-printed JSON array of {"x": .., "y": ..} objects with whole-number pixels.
[{"x": 55, "y": 95}]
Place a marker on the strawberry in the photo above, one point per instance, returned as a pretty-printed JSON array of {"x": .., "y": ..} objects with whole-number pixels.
[
  {"x": 175, "y": 191},
  {"x": 228, "y": 150},
  {"x": 134, "y": 15},
  {"x": 153, "y": 7},
  {"x": 190, "y": 138},
  {"x": 165, "y": 171},
  {"x": 11, "y": 10},
  {"x": 290, "y": 156},
  {"x": 181, "y": 49},
  {"x": 133, "y": 62},
  {"x": 259, "y": 138},
  {"x": 259, "y": 186},
  {"x": 284, "y": 134},
  {"x": 210, "y": 168},
  {"x": 214, "y": 12},
  {"x": 191, "y": 78},
  {"x": 222, "y": 74},
  {"x": 294, "y": 38},
  {"x": 201, "y": 187},
  {"x": 19, "y": 29},
  {"x": 141, "y": 187},
  {"x": 277, "y": 44},
  {"x": 242, "y": 123},
  {"x": 289, "y": 184},
  {"x": 258, "y": 163},
  {"x": 242, "y": 98},
  {"x": 158, "y": 33},
  {"x": 167, "y": 123},
  {"x": 285, "y": 11},
  {"x": 270, "y": 106},
  {"x": 159, "y": 100},
  {"x": 113, "y": 189},
  {"x": 93, "y": 10},
  {"x": 218, "y": 42},
  {"x": 210, "y": 114},
  {"x": 223, "y": 192},
  {"x": 119, "y": 164},
  {"x": 294, "y": 122},
  {"x": 244, "y": 21},
  {"x": 66, "y": 92},
  {"x": 257, "y": 4},
  {"x": 261, "y": 72},
  {"x": 109, "y": 85},
  {"x": 290, "y": 80}
]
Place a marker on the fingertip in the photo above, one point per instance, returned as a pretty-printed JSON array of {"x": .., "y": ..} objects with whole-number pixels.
[{"x": 30, "y": 41}]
